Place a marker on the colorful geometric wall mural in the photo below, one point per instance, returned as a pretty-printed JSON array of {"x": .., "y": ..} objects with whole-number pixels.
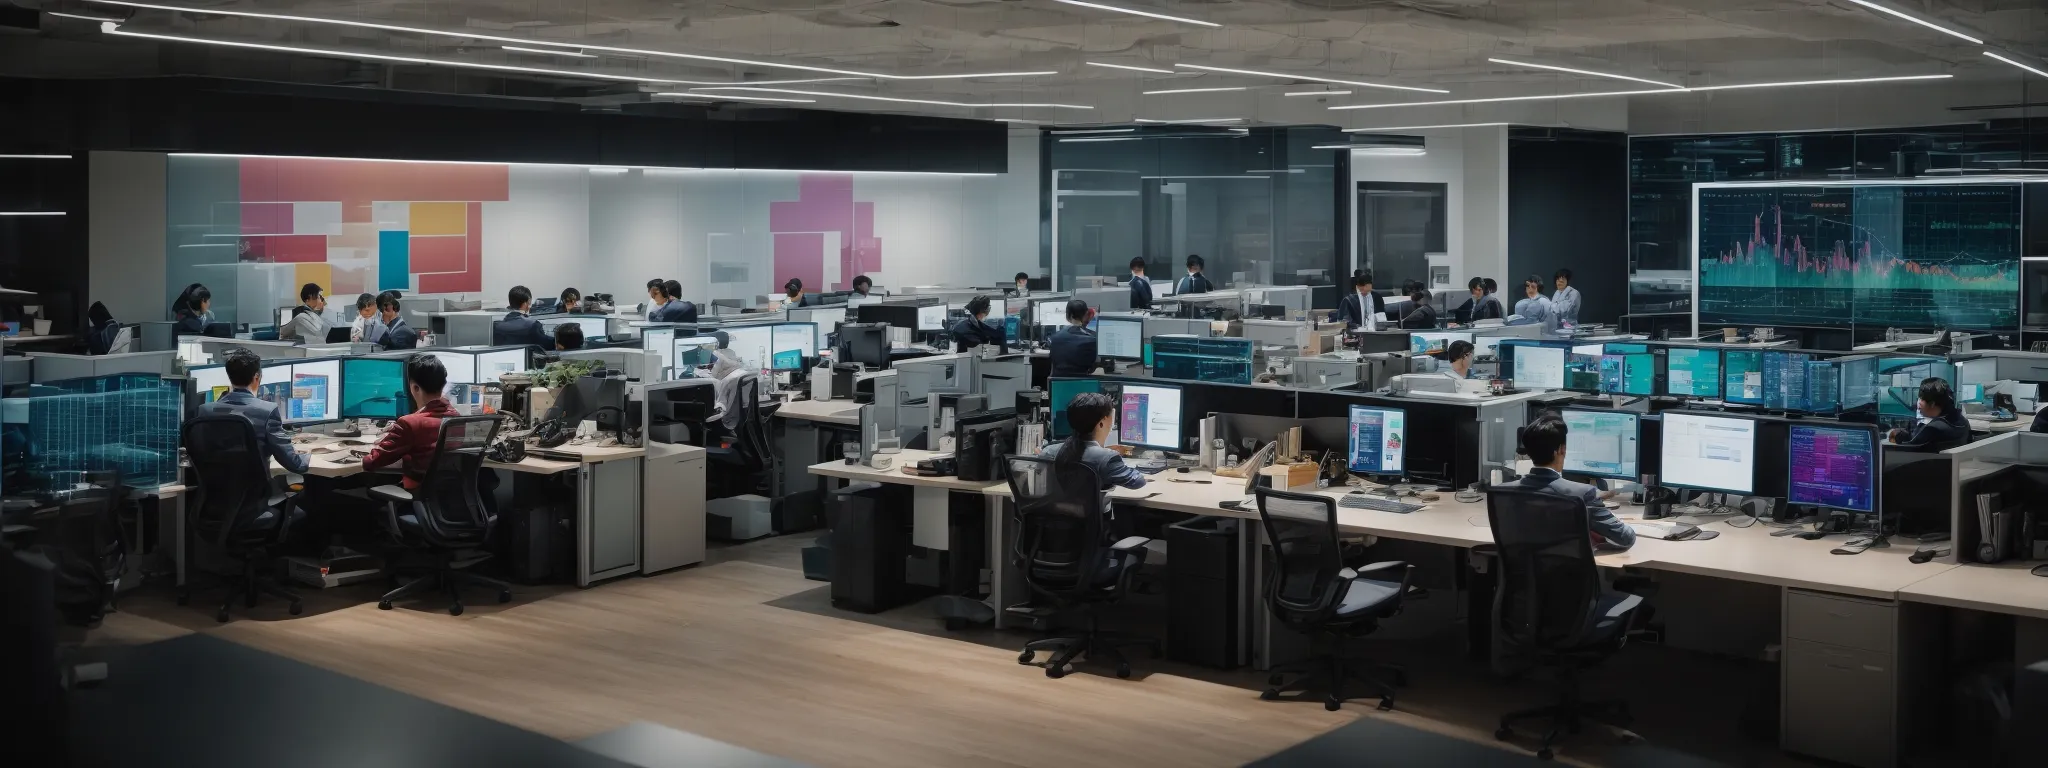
[
  {"x": 824, "y": 210},
  {"x": 357, "y": 227}
]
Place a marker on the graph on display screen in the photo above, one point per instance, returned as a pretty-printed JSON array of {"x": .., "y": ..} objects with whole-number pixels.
[{"x": 1913, "y": 256}]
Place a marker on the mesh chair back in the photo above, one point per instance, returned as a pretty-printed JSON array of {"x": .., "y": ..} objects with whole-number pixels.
[
  {"x": 1303, "y": 584},
  {"x": 1058, "y": 544},
  {"x": 454, "y": 513},
  {"x": 1549, "y": 583},
  {"x": 753, "y": 426},
  {"x": 232, "y": 472}
]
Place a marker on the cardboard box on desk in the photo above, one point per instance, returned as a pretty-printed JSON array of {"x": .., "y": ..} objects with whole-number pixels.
[{"x": 1294, "y": 477}]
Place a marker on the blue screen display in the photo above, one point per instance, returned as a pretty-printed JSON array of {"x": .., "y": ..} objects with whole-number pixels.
[
  {"x": 1833, "y": 467},
  {"x": 1742, "y": 377},
  {"x": 1692, "y": 372},
  {"x": 1061, "y": 392}
]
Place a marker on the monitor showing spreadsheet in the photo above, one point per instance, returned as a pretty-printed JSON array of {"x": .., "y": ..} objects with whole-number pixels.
[
  {"x": 373, "y": 388},
  {"x": 305, "y": 392},
  {"x": 1149, "y": 417},
  {"x": 1691, "y": 372},
  {"x": 662, "y": 340},
  {"x": 461, "y": 365},
  {"x": 1120, "y": 338},
  {"x": 1833, "y": 467},
  {"x": 1715, "y": 453},
  {"x": 1823, "y": 386},
  {"x": 1538, "y": 367},
  {"x": 1434, "y": 342},
  {"x": 752, "y": 344},
  {"x": 593, "y": 327},
  {"x": 210, "y": 381},
  {"x": 496, "y": 363},
  {"x": 1602, "y": 443},
  {"x": 1742, "y": 377},
  {"x": 1377, "y": 440},
  {"x": 1784, "y": 380},
  {"x": 933, "y": 317}
]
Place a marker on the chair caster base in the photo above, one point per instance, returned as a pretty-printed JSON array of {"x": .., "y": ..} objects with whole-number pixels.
[
  {"x": 1026, "y": 657},
  {"x": 296, "y": 608},
  {"x": 1123, "y": 671},
  {"x": 1386, "y": 705},
  {"x": 383, "y": 605},
  {"x": 455, "y": 610},
  {"x": 1545, "y": 754},
  {"x": 1333, "y": 704},
  {"x": 221, "y": 616},
  {"x": 1055, "y": 672}
]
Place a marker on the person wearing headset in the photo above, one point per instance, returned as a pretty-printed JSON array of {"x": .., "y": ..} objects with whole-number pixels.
[
  {"x": 973, "y": 331},
  {"x": 793, "y": 294}
]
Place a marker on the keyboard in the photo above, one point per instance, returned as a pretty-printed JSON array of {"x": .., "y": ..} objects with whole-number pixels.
[{"x": 1376, "y": 504}]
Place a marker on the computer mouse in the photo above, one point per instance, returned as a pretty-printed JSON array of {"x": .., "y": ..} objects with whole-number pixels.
[{"x": 1182, "y": 470}]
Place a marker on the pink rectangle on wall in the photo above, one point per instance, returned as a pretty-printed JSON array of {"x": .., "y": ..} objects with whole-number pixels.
[
  {"x": 469, "y": 281},
  {"x": 449, "y": 253},
  {"x": 476, "y": 235},
  {"x": 266, "y": 218},
  {"x": 288, "y": 249},
  {"x": 800, "y": 255}
]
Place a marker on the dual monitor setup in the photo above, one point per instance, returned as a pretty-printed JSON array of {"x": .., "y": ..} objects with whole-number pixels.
[
  {"x": 1794, "y": 381},
  {"x": 768, "y": 346},
  {"x": 1151, "y": 416},
  {"x": 333, "y": 389},
  {"x": 1833, "y": 466}
]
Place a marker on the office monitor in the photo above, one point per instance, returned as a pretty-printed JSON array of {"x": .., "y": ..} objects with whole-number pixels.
[
  {"x": 693, "y": 353},
  {"x": 493, "y": 364},
  {"x": 1710, "y": 453},
  {"x": 1625, "y": 348},
  {"x": 1784, "y": 380},
  {"x": 753, "y": 344},
  {"x": 1858, "y": 382},
  {"x": 305, "y": 391},
  {"x": 1628, "y": 374},
  {"x": 1833, "y": 467},
  {"x": 373, "y": 388},
  {"x": 461, "y": 365},
  {"x": 1692, "y": 372},
  {"x": 1120, "y": 338},
  {"x": 660, "y": 340},
  {"x": 1823, "y": 386},
  {"x": 1050, "y": 313},
  {"x": 790, "y": 343},
  {"x": 1059, "y": 392},
  {"x": 1434, "y": 342},
  {"x": 1376, "y": 440},
  {"x": 864, "y": 344},
  {"x": 1582, "y": 372},
  {"x": 210, "y": 381},
  {"x": 1602, "y": 443},
  {"x": 1149, "y": 416},
  {"x": 933, "y": 317},
  {"x": 1536, "y": 366},
  {"x": 1742, "y": 377}
]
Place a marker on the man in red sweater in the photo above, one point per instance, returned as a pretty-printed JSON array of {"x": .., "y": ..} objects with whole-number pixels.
[{"x": 412, "y": 439}]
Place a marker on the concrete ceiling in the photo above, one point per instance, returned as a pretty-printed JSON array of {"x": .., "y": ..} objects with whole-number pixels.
[{"x": 1435, "y": 44}]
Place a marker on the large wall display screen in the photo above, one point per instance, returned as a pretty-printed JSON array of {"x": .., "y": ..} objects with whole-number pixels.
[{"x": 1892, "y": 255}]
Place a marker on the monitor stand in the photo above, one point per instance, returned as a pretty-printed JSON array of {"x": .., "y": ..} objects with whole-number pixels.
[{"x": 349, "y": 428}]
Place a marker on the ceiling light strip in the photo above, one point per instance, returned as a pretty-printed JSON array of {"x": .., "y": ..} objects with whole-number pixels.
[
  {"x": 1311, "y": 78},
  {"x": 1921, "y": 22},
  {"x": 35, "y": 157},
  {"x": 582, "y": 166},
  {"x": 80, "y": 17},
  {"x": 828, "y": 94},
  {"x": 115, "y": 29},
  {"x": 1077, "y": 132},
  {"x": 1131, "y": 68},
  {"x": 1422, "y": 127},
  {"x": 1555, "y": 68},
  {"x": 1192, "y": 120},
  {"x": 2016, "y": 64},
  {"x": 31, "y": 213},
  {"x": 548, "y": 52},
  {"x": 1319, "y": 93},
  {"x": 1194, "y": 90},
  {"x": 530, "y": 41},
  {"x": 734, "y": 97},
  {"x": 1134, "y": 12},
  {"x": 1850, "y": 81}
]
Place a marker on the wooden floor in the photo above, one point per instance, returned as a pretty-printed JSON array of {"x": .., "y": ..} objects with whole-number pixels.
[{"x": 699, "y": 650}]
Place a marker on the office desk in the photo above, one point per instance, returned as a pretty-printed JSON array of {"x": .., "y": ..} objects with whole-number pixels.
[
  {"x": 2003, "y": 588},
  {"x": 1978, "y": 424},
  {"x": 610, "y": 502},
  {"x": 807, "y": 432},
  {"x": 841, "y": 412},
  {"x": 930, "y": 523}
]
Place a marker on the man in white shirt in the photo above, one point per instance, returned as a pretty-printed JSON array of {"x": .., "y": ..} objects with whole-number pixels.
[
  {"x": 307, "y": 324},
  {"x": 366, "y": 328}
]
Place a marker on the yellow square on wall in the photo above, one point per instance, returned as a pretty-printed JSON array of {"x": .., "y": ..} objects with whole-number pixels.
[{"x": 440, "y": 219}]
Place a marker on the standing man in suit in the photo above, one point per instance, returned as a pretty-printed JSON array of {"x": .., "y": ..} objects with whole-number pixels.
[
  {"x": 1072, "y": 350},
  {"x": 676, "y": 310},
  {"x": 1141, "y": 287},
  {"x": 307, "y": 325},
  {"x": 245, "y": 375},
  {"x": 397, "y": 335},
  {"x": 1565, "y": 299},
  {"x": 517, "y": 327},
  {"x": 1361, "y": 308},
  {"x": 1194, "y": 282},
  {"x": 1022, "y": 285},
  {"x": 1545, "y": 441}
]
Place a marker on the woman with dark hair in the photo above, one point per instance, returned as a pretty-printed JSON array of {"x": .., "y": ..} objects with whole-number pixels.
[
  {"x": 1941, "y": 425},
  {"x": 193, "y": 309},
  {"x": 1420, "y": 315},
  {"x": 1090, "y": 417},
  {"x": 973, "y": 331},
  {"x": 1072, "y": 350},
  {"x": 792, "y": 293}
]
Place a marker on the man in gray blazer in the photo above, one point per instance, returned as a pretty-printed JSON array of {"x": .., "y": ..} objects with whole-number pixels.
[
  {"x": 1544, "y": 440},
  {"x": 245, "y": 373}
]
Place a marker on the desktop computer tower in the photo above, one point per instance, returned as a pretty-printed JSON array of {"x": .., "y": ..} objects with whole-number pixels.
[
  {"x": 1201, "y": 598},
  {"x": 870, "y": 542}
]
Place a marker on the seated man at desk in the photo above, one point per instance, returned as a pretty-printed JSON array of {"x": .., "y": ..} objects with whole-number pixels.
[
  {"x": 1941, "y": 425},
  {"x": 676, "y": 310},
  {"x": 862, "y": 284},
  {"x": 413, "y": 438},
  {"x": 1545, "y": 442},
  {"x": 1483, "y": 305},
  {"x": 973, "y": 331},
  {"x": 1195, "y": 282},
  {"x": 1021, "y": 286},
  {"x": 245, "y": 375},
  {"x": 517, "y": 327},
  {"x": 1090, "y": 417},
  {"x": 572, "y": 301},
  {"x": 1072, "y": 350},
  {"x": 397, "y": 335},
  {"x": 307, "y": 324},
  {"x": 1457, "y": 359},
  {"x": 568, "y": 337},
  {"x": 1419, "y": 314},
  {"x": 193, "y": 310},
  {"x": 1361, "y": 308}
]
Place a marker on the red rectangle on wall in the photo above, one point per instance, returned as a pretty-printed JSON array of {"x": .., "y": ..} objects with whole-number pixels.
[
  {"x": 449, "y": 253},
  {"x": 469, "y": 281},
  {"x": 266, "y": 218},
  {"x": 288, "y": 249}
]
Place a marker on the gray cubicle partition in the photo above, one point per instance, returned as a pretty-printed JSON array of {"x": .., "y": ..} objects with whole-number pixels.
[{"x": 54, "y": 367}]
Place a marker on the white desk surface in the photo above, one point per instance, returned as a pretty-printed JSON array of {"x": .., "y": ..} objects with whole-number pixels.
[
  {"x": 325, "y": 464},
  {"x": 845, "y": 412},
  {"x": 894, "y": 474},
  {"x": 2000, "y": 427},
  {"x": 2002, "y": 588}
]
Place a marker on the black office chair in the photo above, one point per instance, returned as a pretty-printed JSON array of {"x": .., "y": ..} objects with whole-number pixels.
[
  {"x": 234, "y": 508},
  {"x": 1058, "y": 547},
  {"x": 1309, "y": 590},
  {"x": 444, "y": 525},
  {"x": 752, "y": 455},
  {"x": 1549, "y": 608}
]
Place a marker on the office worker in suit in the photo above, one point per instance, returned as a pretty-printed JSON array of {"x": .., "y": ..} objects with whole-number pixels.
[
  {"x": 1535, "y": 308},
  {"x": 307, "y": 324},
  {"x": 366, "y": 328},
  {"x": 568, "y": 337},
  {"x": 517, "y": 327},
  {"x": 1141, "y": 286},
  {"x": 676, "y": 310},
  {"x": 1090, "y": 416},
  {"x": 1360, "y": 308},
  {"x": 1545, "y": 441},
  {"x": 397, "y": 334},
  {"x": 1419, "y": 314},
  {"x": 1194, "y": 282},
  {"x": 245, "y": 375},
  {"x": 1022, "y": 286},
  {"x": 1483, "y": 305},
  {"x": 1565, "y": 299},
  {"x": 655, "y": 298},
  {"x": 1072, "y": 350},
  {"x": 572, "y": 301},
  {"x": 192, "y": 310},
  {"x": 973, "y": 330},
  {"x": 1941, "y": 425}
]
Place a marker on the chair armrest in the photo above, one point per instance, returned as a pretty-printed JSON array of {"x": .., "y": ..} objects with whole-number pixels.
[
  {"x": 1626, "y": 605},
  {"x": 396, "y": 493},
  {"x": 1130, "y": 543}
]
